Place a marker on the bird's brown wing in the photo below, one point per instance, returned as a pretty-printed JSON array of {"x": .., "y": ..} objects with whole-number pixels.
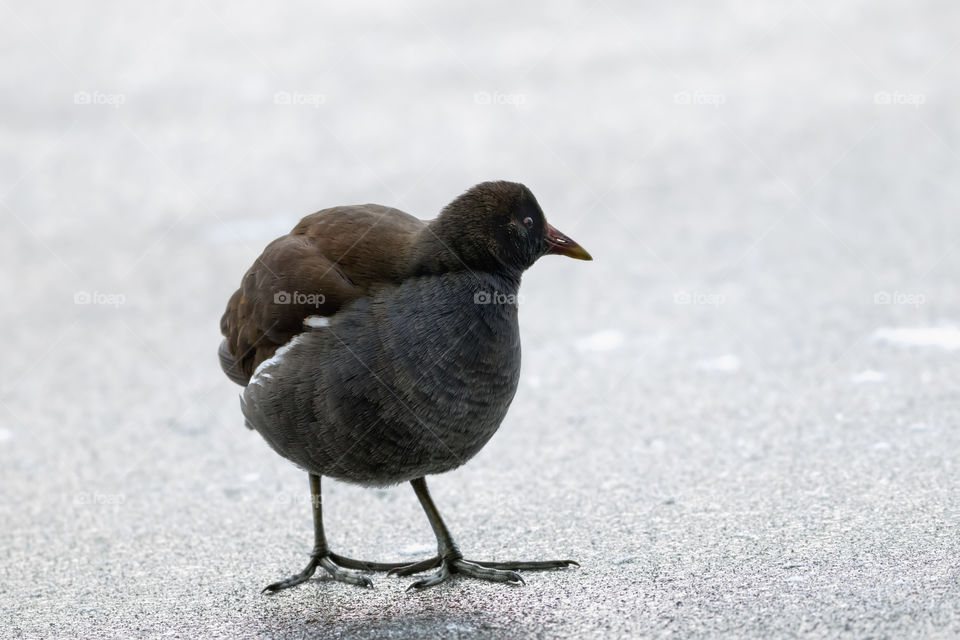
[{"x": 330, "y": 258}]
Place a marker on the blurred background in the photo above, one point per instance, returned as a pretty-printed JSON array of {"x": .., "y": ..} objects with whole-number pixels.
[{"x": 741, "y": 417}]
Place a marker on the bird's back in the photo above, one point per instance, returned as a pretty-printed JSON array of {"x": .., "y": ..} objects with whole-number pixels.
[
  {"x": 411, "y": 381},
  {"x": 328, "y": 260}
]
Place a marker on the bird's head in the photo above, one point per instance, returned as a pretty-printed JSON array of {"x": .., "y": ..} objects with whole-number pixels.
[{"x": 499, "y": 227}]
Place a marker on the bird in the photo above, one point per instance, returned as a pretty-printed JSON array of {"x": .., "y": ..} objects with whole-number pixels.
[{"x": 376, "y": 348}]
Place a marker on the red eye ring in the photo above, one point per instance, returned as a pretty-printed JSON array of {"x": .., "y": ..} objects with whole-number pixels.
[{"x": 528, "y": 222}]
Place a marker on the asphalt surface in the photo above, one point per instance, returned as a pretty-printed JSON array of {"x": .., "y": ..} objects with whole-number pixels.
[{"x": 741, "y": 418}]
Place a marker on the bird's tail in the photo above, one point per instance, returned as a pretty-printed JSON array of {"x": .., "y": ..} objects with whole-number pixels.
[
  {"x": 243, "y": 410},
  {"x": 229, "y": 365}
]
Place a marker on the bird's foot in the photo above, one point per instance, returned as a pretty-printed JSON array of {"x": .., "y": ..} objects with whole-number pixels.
[
  {"x": 491, "y": 571},
  {"x": 333, "y": 565}
]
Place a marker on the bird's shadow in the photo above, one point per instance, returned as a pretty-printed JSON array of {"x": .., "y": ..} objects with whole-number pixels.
[{"x": 441, "y": 612}]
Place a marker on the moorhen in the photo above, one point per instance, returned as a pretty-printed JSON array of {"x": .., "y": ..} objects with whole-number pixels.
[{"x": 376, "y": 348}]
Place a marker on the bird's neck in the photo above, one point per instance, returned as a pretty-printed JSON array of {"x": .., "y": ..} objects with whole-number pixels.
[
  {"x": 502, "y": 288},
  {"x": 436, "y": 252}
]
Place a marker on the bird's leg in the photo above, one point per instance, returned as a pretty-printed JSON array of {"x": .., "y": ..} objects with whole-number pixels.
[
  {"x": 332, "y": 563},
  {"x": 451, "y": 561}
]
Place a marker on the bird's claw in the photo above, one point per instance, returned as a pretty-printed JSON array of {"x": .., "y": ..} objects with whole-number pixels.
[
  {"x": 333, "y": 564},
  {"x": 336, "y": 572},
  {"x": 449, "y": 567},
  {"x": 491, "y": 571}
]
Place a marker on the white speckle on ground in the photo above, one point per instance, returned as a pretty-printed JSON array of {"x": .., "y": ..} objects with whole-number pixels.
[
  {"x": 942, "y": 337},
  {"x": 868, "y": 375},
  {"x": 606, "y": 340},
  {"x": 250, "y": 477},
  {"x": 5, "y": 434},
  {"x": 727, "y": 363}
]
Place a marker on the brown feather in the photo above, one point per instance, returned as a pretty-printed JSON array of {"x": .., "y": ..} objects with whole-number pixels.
[{"x": 329, "y": 259}]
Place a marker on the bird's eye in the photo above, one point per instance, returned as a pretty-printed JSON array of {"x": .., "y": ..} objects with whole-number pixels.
[{"x": 528, "y": 222}]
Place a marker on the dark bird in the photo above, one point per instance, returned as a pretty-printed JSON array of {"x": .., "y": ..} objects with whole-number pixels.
[{"x": 377, "y": 349}]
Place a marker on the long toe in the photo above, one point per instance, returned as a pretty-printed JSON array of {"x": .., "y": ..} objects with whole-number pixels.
[
  {"x": 294, "y": 580},
  {"x": 441, "y": 576},
  {"x": 474, "y": 570},
  {"x": 330, "y": 566},
  {"x": 366, "y": 565},
  {"x": 522, "y": 565},
  {"x": 458, "y": 566},
  {"x": 417, "y": 567},
  {"x": 342, "y": 575}
]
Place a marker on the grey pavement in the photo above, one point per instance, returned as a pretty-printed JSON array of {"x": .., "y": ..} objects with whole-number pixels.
[{"x": 741, "y": 418}]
